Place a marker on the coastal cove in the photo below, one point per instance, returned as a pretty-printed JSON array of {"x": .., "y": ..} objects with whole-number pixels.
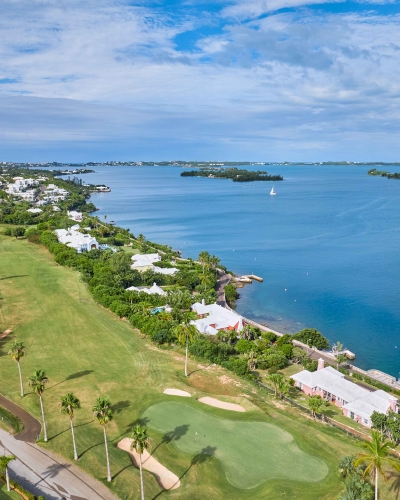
[{"x": 330, "y": 238}]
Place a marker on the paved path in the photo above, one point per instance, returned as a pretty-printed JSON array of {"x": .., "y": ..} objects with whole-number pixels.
[
  {"x": 41, "y": 471},
  {"x": 32, "y": 427},
  {"x": 223, "y": 280}
]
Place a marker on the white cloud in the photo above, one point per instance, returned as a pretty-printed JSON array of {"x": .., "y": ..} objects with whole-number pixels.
[{"x": 108, "y": 73}]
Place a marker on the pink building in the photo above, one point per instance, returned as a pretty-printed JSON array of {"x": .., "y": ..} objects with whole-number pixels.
[{"x": 357, "y": 403}]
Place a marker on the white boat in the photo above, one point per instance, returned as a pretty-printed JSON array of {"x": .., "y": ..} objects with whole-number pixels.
[{"x": 272, "y": 193}]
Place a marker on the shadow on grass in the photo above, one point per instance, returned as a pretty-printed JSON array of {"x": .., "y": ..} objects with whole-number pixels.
[
  {"x": 121, "y": 405},
  {"x": 395, "y": 486},
  {"x": 68, "y": 429},
  {"x": 174, "y": 435},
  {"x": 16, "y": 276},
  {"x": 139, "y": 421},
  {"x": 199, "y": 369},
  {"x": 202, "y": 457},
  {"x": 79, "y": 374}
]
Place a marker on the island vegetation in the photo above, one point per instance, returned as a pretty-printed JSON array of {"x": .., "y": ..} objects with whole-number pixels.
[
  {"x": 236, "y": 174},
  {"x": 384, "y": 173}
]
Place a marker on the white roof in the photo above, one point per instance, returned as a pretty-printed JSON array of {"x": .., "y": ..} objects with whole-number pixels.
[
  {"x": 373, "y": 401},
  {"x": 215, "y": 315},
  {"x": 147, "y": 259},
  {"x": 75, "y": 239},
  {"x": 34, "y": 210},
  {"x": 154, "y": 289},
  {"x": 165, "y": 270},
  {"x": 332, "y": 381}
]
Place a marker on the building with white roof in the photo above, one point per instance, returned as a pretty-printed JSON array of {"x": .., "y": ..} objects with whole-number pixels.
[
  {"x": 212, "y": 318},
  {"x": 145, "y": 262},
  {"x": 76, "y": 216},
  {"x": 34, "y": 210},
  {"x": 74, "y": 239},
  {"x": 154, "y": 289},
  {"x": 356, "y": 402}
]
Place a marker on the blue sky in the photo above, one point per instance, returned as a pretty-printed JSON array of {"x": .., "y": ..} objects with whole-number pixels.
[{"x": 269, "y": 80}]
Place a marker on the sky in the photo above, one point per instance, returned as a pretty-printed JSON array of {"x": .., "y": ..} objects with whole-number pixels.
[{"x": 258, "y": 80}]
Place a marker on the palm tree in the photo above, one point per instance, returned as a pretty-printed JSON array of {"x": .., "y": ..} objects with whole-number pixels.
[
  {"x": 376, "y": 455},
  {"x": 340, "y": 358},
  {"x": 37, "y": 381},
  {"x": 283, "y": 387},
  {"x": 17, "y": 352},
  {"x": 204, "y": 259},
  {"x": 4, "y": 461},
  {"x": 276, "y": 379},
  {"x": 315, "y": 404},
  {"x": 104, "y": 414},
  {"x": 68, "y": 404},
  {"x": 186, "y": 333},
  {"x": 140, "y": 442}
]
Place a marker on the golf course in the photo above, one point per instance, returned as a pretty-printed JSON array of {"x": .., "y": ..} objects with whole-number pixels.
[{"x": 269, "y": 451}]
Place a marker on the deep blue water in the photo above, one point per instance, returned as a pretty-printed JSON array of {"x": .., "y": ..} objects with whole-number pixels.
[{"x": 331, "y": 237}]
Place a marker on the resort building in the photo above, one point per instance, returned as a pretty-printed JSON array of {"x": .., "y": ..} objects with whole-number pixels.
[
  {"x": 155, "y": 289},
  {"x": 145, "y": 262},
  {"x": 76, "y": 216},
  {"x": 74, "y": 239},
  {"x": 214, "y": 318},
  {"x": 356, "y": 402}
]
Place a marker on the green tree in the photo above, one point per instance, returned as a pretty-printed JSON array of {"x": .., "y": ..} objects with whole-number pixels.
[
  {"x": 17, "y": 352},
  {"x": 120, "y": 262},
  {"x": 340, "y": 358},
  {"x": 140, "y": 442},
  {"x": 204, "y": 259},
  {"x": 276, "y": 379},
  {"x": 103, "y": 413},
  {"x": 37, "y": 381},
  {"x": 231, "y": 293},
  {"x": 186, "y": 334},
  {"x": 316, "y": 405},
  {"x": 4, "y": 461},
  {"x": 375, "y": 457},
  {"x": 18, "y": 231},
  {"x": 69, "y": 403},
  {"x": 311, "y": 337}
]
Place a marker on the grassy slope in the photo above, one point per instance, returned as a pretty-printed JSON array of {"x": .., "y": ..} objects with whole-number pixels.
[{"x": 86, "y": 350}]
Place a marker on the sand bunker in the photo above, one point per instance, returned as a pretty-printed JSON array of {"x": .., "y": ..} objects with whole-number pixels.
[
  {"x": 221, "y": 404},
  {"x": 177, "y": 392},
  {"x": 166, "y": 479}
]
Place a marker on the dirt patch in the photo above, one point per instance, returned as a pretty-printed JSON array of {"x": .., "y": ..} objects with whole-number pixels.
[
  {"x": 221, "y": 404},
  {"x": 224, "y": 379},
  {"x": 166, "y": 479},
  {"x": 177, "y": 392}
]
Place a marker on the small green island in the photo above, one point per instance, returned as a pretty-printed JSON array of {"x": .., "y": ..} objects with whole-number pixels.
[
  {"x": 383, "y": 173},
  {"x": 236, "y": 174}
]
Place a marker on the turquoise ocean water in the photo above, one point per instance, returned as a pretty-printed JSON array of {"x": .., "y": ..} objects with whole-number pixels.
[{"x": 330, "y": 237}]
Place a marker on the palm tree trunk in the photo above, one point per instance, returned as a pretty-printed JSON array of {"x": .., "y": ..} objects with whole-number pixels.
[
  {"x": 186, "y": 359},
  {"x": 141, "y": 475},
  {"x": 108, "y": 460},
  {"x": 376, "y": 483},
  {"x": 20, "y": 380},
  {"x": 8, "y": 480},
  {"x": 43, "y": 418},
  {"x": 73, "y": 440}
]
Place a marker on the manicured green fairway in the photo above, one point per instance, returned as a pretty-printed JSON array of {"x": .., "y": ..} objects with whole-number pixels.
[
  {"x": 87, "y": 350},
  {"x": 250, "y": 452}
]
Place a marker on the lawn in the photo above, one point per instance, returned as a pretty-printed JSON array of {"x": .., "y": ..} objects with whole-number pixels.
[
  {"x": 87, "y": 350},
  {"x": 8, "y": 495}
]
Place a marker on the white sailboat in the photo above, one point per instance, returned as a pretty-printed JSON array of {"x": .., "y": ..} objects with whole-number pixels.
[{"x": 272, "y": 193}]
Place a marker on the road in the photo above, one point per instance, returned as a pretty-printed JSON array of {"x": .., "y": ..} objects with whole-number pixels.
[
  {"x": 41, "y": 471},
  {"x": 223, "y": 280}
]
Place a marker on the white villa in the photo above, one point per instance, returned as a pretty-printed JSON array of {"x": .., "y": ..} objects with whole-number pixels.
[
  {"x": 154, "y": 289},
  {"x": 74, "y": 239},
  {"x": 76, "y": 216},
  {"x": 213, "y": 318},
  {"x": 355, "y": 401},
  {"x": 34, "y": 210},
  {"x": 145, "y": 262}
]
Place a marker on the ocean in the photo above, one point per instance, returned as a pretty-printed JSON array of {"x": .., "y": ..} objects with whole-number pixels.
[{"x": 327, "y": 245}]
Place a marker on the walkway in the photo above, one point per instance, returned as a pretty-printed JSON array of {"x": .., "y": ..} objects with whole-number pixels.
[{"x": 42, "y": 472}]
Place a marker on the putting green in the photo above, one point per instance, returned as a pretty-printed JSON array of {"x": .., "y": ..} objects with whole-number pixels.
[{"x": 250, "y": 452}]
